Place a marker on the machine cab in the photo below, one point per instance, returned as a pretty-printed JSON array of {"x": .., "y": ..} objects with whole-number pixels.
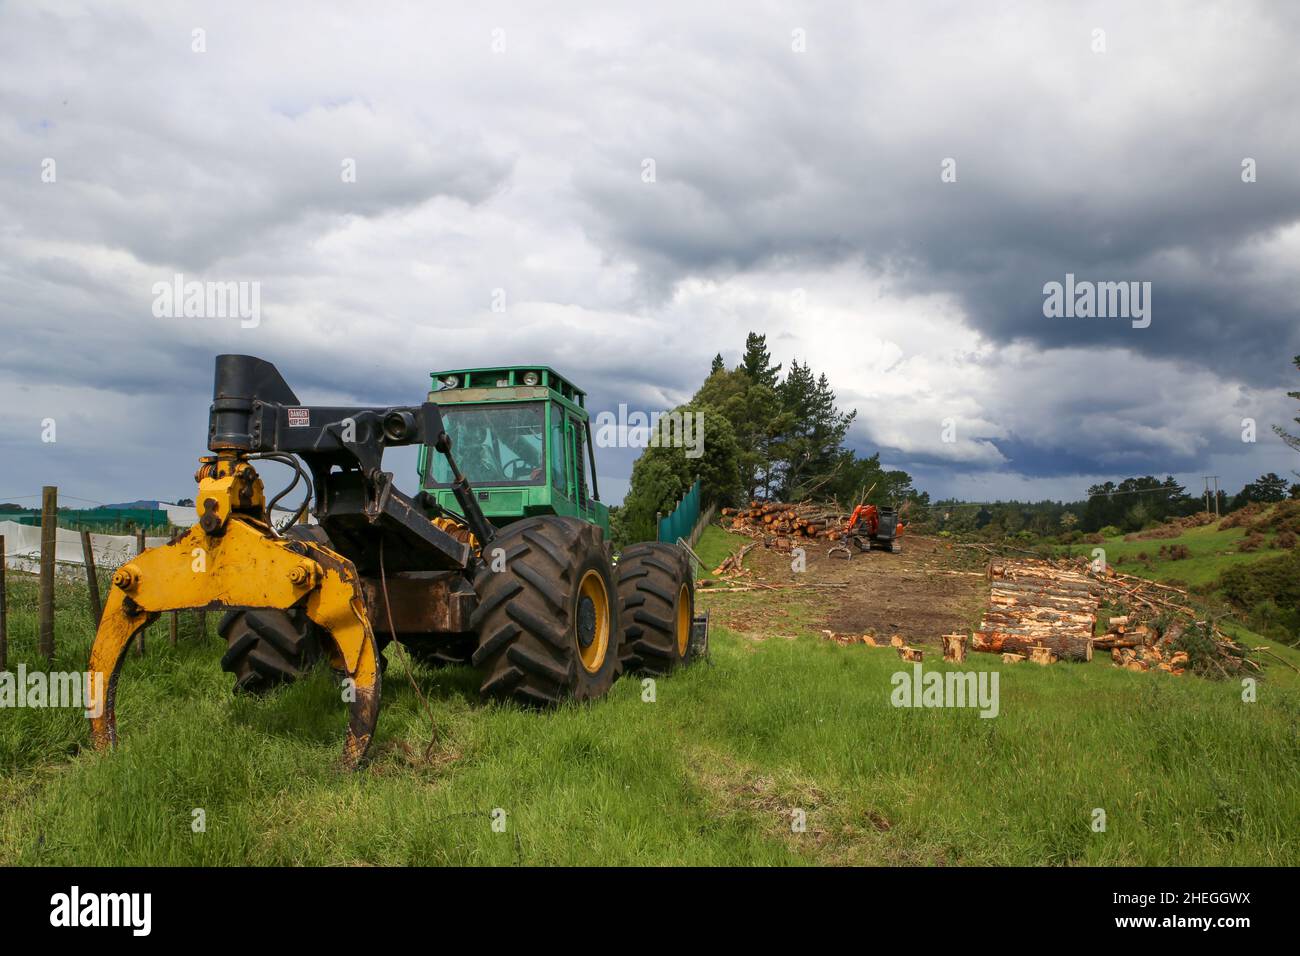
[{"x": 522, "y": 437}]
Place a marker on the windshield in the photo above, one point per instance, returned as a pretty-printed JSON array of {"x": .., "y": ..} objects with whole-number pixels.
[{"x": 493, "y": 444}]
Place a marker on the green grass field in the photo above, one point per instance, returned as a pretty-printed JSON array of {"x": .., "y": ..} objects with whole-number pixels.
[
  {"x": 711, "y": 772},
  {"x": 1212, "y": 553}
]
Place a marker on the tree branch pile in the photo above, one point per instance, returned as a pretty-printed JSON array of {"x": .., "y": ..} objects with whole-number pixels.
[{"x": 1160, "y": 629}]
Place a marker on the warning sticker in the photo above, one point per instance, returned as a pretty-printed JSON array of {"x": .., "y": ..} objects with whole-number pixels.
[{"x": 299, "y": 417}]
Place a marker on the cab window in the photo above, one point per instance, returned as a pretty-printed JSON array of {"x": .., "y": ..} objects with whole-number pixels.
[{"x": 558, "y": 470}]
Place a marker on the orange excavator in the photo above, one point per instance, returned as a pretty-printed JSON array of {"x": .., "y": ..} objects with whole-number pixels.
[{"x": 869, "y": 525}]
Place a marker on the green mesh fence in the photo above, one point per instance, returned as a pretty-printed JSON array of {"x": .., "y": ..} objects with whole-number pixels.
[
  {"x": 681, "y": 521},
  {"x": 93, "y": 519}
]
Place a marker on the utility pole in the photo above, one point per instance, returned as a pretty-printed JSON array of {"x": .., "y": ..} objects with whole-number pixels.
[
  {"x": 1216, "y": 495},
  {"x": 1206, "y": 479}
]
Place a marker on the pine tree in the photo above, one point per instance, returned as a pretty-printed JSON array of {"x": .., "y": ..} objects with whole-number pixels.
[
  {"x": 812, "y": 448},
  {"x": 1292, "y": 440},
  {"x": 758, "y": 361},
  {"x": 718, "y": 365}
]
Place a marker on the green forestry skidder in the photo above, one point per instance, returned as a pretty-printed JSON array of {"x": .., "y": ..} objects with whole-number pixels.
[{"x": 501, "y": 561}]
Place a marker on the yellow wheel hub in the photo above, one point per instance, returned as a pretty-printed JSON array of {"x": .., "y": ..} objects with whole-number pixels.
[
  {"x": 683, "y": 620},
  {"x": 593, "y": 621}
]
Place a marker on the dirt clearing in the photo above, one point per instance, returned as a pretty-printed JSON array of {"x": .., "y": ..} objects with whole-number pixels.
[{"x": 927, "y": 590}]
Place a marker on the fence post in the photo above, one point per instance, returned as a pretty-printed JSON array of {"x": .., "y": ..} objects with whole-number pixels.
[
  {"x": 49, "y": 540},
  {"x": 92, "y": 579},
  {"x": 174, "y": 619},
  {"x": 4, "y": 612},
  {"x": 139, "y": 547}
]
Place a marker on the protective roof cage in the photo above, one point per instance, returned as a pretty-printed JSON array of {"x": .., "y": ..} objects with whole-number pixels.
[{"x": 512, "y": 375}]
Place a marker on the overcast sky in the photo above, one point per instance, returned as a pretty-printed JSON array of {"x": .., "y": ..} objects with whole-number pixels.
[{"x": 798, "y": 153}]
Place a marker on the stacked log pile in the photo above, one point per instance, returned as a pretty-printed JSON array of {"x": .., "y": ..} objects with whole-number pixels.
[
  {"x": 1037, "y": 605},
  {"x": 779, "y": 525}
]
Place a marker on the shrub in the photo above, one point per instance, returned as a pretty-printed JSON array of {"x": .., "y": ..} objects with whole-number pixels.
[
  {"x": 1110, "y": 531},
  {"x": 1160, "y": 531},
  {"x": 1242, "y": 516},
  {"x": 1283, "y": 516},
  {"x": 1252, "y": 542},
  {"x": 1276, "y": 579}
]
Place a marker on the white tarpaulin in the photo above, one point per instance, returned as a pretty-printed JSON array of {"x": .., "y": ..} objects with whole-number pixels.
[
  {"x": 23, "y": 547},
  {"x": 183, "y": 516}
]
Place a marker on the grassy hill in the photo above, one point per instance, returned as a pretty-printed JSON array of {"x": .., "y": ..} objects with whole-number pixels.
[{"x": 711, "y": 772}]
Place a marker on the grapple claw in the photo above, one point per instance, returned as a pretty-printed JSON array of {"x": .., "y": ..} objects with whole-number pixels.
[{"x": 243, "y": 566}]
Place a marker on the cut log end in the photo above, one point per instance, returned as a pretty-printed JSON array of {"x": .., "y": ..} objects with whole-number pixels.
[{"x": 954, "y": 648}]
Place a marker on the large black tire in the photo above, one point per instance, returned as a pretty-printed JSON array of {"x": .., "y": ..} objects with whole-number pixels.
[
  {"x": 657, "y": 590},
  {"x": 548, "y": 619},
  {"x": 265, "y": 647}
]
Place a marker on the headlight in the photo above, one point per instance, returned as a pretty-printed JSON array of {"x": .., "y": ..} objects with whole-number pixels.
[
  {"x": 449, "y": 381},
  {"x": 531, "y": 378}
]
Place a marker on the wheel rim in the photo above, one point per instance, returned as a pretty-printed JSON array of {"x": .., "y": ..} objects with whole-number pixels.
[
  {"x": 683, "y": 620},
  {"x": 593, "y": 621}
]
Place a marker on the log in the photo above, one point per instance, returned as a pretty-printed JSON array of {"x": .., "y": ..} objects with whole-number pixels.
[
  {"x": 1046, "y": 587},
  {"x": 1042, "y": 655},
  {"x": 1068, "y": 647},
  {"x": 1012, "y": 658},
  {"x": 910, "y": 654},
  {"x": 954, "y": 647}
]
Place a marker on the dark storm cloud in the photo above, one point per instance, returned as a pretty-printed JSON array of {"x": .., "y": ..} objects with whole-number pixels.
[
  {"x": 1117, "y": 166},
  {"x": 520, "y": 170}
]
